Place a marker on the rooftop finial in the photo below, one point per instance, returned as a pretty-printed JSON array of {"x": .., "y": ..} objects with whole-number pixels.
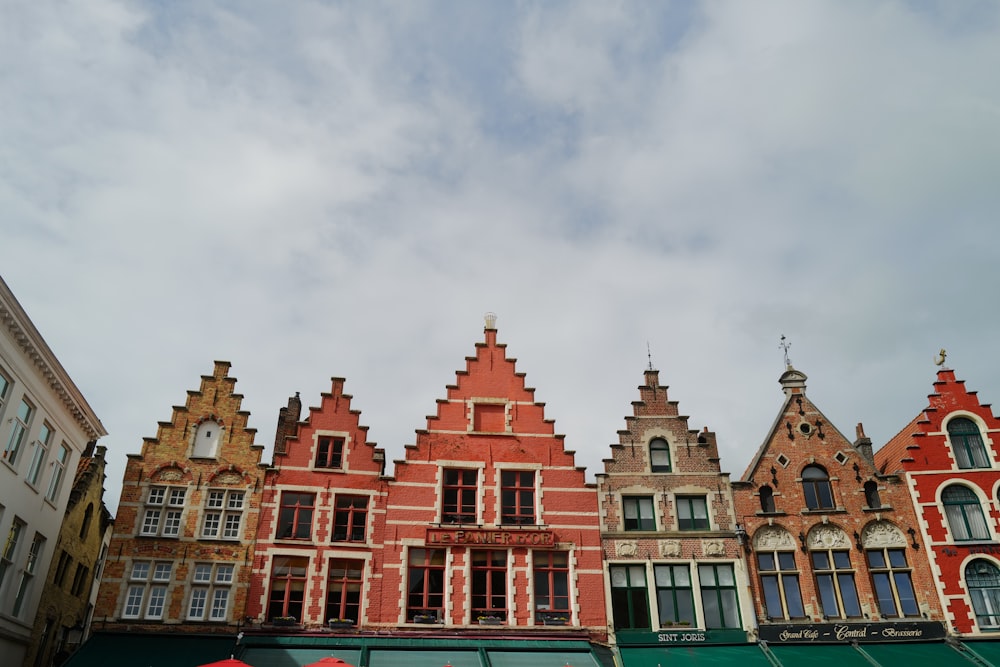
[
  {"x": 942, "y": 355},
  {"x": 649, "y": 354},
  {"x": 784, "y": 345},
  {"x": 491, "y": 320}
]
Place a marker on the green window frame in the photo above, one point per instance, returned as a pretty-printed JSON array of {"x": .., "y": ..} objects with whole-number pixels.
[
  {"x": 629, "y": 597},
  {"x": 659, "y": 455},
  {"x": 674, "y": 594},
  {"x": 638, "y": 512},
  {"x": 692, "y": 513},
  {"x": 964, "y": 513},
  {"x": 719, "y": 598},
  {"x": 967, "y": 444}
]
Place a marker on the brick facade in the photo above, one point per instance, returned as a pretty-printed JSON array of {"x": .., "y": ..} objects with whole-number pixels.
[
  {"x": 666, "y": 507},
  {"x": 953, "y": 469},
  {"x": 180, "y": 555},
  {"x": 830, "y": 515}
]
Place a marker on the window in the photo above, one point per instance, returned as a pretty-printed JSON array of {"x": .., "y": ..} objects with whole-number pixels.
[
  {"x": 329, "y": 452},
  {"x": 967, "y": 444},
  {"x": 983, "y": 580},
  {"x": 892, "y": 583},
  {"x": 295, "y": 518},
  {"x": 40, "y": 454},
  {"x": 551, "y": 575},
  {"x": 692, "y": 513},
  {"x": 779, "y": 580},
  {"x": 350, "y": 517},
  {"x": 458, "y": 494},
  {"x": 674, "y": 596},
  {"x": 210, "y": 591},
  {"x": 871, "y": 495},
  {"x": 58, "y": 472},
  {"x": 489, "y": 583},
  {"x": 147, "y": 590},
  {"x": 343, "y": 589},
  {"x": 766, "y": 499},
  {"x": 223, "y": 514},
  {"x": 206, "y": 440},
  {"x": 288, "y": 587},
  {"x": 639, "y": 513},
  {"x": 88, "y": 517},
  {"x": 659, "y": 455},
  {"x": 28, "y": 573},
  {"x": 22, "y": 422},
  {"x": 425, "y": 583},
  {"x": 816, "y": 487},
  {"x": 965, "y": 514},
  {"x": 517, "y": 497},
  {"x": 835, "y": 583},
  {"x": 80, "y": 580},
  {"x": 10, "y": 549},
  {"x": 65, "y": 560},
  {"x": 164, "y": 507},
  {"x": 629, "y": 603},
  {"x": 4, "y": 390},
  {"x": 718, "y": 596}
]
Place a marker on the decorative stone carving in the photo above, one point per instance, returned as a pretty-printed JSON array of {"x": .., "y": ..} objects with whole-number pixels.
[
  {"x": 827, "y": 537},
  {"x": 173, "y": 475},
  {"x": 228, "y": 478},
  {"x": 879, "y": 534},
  {"x": 670, "y": 548},
  {"x": 773, "y": 538},
  {"x": 714, "y": 547},
  {"x": 627, "y": 548}
]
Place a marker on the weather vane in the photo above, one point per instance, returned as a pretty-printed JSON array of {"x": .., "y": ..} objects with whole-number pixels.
[
  {"x": 784, "y": 345},
  {"x": 649, "y": 353},
  {"x": 941, "y": 357}
]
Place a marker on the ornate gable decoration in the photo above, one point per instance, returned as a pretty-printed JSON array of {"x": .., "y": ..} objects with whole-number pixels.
[
  {"x": 880, "y": 534},
  {"x": 827, "y": 537},
  {"x": 773, "y": 538}
]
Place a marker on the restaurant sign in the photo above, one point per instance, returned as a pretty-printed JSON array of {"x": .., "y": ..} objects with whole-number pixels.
[
  {"x": 680, "y": 637},
  {"x": 478, "y": 537},
  {"x": 822, "y": 633}
]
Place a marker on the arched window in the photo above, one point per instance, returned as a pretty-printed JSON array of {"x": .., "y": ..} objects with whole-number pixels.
[
  {"x": 88, "y": 515},
  {"x": 206, "y": 439},
  {"x": 965, "y": 514},
  {"x": 983, "y": 581},
  {"x": 816, "y": 487},
  {"x": 871, "y": 495},
  {"x": 766, "y": 499},
  {"x": 967, "y": 444},
  {"x": 659, "y": 455}
]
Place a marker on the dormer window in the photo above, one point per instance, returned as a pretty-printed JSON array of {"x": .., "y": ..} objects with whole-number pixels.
[
  {"x": 816, "y": 488},
  {"x": 967, "y": 444},
  {"x": 206, "y": 440},
  {"x": 329, "y": 452},
  {"x": 659, "y": 455},
  {"x": 766, "y": 499}
]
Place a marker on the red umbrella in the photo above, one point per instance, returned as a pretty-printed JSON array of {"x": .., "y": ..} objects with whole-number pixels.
[
  {"x": 228, "y": 662},
  {"x": 329, "y": 661}
]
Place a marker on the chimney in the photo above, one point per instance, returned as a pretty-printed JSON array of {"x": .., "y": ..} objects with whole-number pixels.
[
  {"x": 864, "y": 444},
  {"x": 288, "y": 419}
]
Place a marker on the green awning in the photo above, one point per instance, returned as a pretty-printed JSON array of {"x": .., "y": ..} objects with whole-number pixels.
[
  {"x": 747, "y": 655},
  {"x": 416, "y": 658},
  {"x": 280, "y": 656},
  {"x": 819, "y": 655},
  {"x": 916, "y": 655},
  {"x": 542, "y": 659},
  {"x": 986, "y": 649},
  {"x": 130, "y": 649}
]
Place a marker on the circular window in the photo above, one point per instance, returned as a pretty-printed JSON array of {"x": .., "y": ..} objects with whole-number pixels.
[{"x": 806, "y": 428}]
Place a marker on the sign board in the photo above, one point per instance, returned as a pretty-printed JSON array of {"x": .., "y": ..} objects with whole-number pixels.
[
  {"x": 824, "y": 633},
  {"x": 680, "y": 637},
  {"x": 479, "y": 537}
]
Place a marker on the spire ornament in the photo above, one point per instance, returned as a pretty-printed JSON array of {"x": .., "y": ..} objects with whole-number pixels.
[{"x": 784, "y": 345}]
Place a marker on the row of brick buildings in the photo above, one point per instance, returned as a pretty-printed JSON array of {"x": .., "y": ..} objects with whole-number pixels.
[{"x": 486, "y": 544}]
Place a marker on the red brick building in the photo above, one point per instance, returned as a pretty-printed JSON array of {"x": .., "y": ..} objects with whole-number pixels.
[
  {"x": 833, "y": 544},
  {"x": 669, "y": 530},
  {"x": 322, "y": 515},
  {"x": 180, "y": 556},
  {"x": 948, "y": 456}
]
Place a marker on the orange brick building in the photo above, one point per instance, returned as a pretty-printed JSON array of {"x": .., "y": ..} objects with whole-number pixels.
[
  {"x": 179, "y": 558},
  {"x": 832, "y": 542},
  {"x": 949, "y": 458}
]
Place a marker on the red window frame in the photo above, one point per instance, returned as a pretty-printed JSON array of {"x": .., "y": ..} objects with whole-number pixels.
[
  {"x": 350, "y": 518},
  {"x": 517, "y": 497},
  {"x": 551, "y": 575},
  {"x": 344, "y": 583},
  {"x": 288, "y": 586},
  {"x": 489, "y": 584},
  {"x": 295, "y": 515},
  {"x": 425, "y": 583},
  {"x": 459, "y": 489},
  {"x": 329, "y": 452}
]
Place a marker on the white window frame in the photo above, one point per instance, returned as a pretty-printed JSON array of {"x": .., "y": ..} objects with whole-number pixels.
[
  {"x": 211, "y": 591},
  {"x": 163, "y": 512},
  {"x": 223, "y": 515}
]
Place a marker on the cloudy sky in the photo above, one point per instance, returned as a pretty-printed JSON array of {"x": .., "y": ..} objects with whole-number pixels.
[{"x": 317, "y": 189}]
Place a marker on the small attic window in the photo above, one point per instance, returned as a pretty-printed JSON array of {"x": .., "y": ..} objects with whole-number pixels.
[
  {"x": 806, "y": 428},
  {"x": 782, "y": 460},
  {"x": 206, "y": 440},
  {"x": 841, "y": 457},
  {"x": 489, "y": 417}
]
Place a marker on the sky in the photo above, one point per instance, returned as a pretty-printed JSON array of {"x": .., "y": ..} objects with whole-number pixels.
[{"x": 317, "y": 189}]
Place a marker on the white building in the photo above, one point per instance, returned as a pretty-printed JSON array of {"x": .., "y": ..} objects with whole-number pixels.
[{"x": 45, "y": 424}]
